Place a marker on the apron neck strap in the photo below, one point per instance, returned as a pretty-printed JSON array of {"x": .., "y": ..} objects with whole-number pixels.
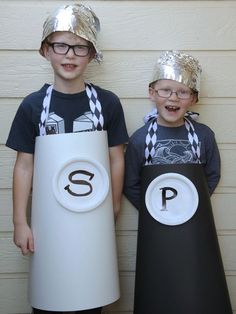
[
  {"x": 94, "y": 103},
  {"x": 151, "y": 139},
  {"x": 95, "y": 107},
  {"x": 45, "y": 111}
]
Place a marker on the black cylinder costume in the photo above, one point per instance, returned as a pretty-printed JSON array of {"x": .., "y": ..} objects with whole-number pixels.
[{"x": 179, "y": 268}]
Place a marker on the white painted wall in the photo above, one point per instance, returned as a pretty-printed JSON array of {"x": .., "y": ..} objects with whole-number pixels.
[{"x": 133, "y": 35}]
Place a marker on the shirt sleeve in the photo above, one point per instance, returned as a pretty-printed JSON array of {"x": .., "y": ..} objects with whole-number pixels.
[
  {"x": 212, "y": 166},
  {"x": 132, "y": 183},
  {"x": 117, "y": 132},
  {"x": 22, "y": 133}
]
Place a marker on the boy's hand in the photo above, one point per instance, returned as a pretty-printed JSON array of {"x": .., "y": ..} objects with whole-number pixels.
[{"x": 23, "y": 238}]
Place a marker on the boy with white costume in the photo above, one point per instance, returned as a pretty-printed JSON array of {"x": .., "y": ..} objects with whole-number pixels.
[{"x": 70, "y": 106}]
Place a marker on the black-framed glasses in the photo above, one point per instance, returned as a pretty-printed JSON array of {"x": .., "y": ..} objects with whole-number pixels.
[
  {"x": 166, "y": 93},
  {"x": 62, "y": 49}
]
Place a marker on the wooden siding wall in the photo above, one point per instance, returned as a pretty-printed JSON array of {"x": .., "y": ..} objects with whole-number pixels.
[{"x": 133, "y": 35}]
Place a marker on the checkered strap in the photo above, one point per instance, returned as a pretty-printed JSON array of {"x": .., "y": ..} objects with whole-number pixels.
[
  {"x": 151, "y": 139},
  {"x": 44, "y": 113},
  {"x": 193, "y": 138},
  {"x": 150, "y": 142},
  {"x": 95, "y": 107},
  {"x": 94, "y": 103}
]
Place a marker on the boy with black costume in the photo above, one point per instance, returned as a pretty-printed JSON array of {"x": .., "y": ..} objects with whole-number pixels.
[
  {"x": 173, "y": 123},
  {"x": 172, "y": 167}
]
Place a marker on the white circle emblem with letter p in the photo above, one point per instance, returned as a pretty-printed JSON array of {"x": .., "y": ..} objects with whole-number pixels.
[{"x": 171, "y": 199}]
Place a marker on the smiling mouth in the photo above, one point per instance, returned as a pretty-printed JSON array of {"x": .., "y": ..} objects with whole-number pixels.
[
  {"x": 172, "y": 108},
  {"x": 69, "y": 66}
]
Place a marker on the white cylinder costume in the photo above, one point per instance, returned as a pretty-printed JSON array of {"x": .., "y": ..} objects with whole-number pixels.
[{"x": 74, "y": 266}]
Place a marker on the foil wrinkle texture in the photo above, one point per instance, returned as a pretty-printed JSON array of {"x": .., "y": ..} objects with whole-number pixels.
[
  {"x": 77, "y": 19},
  {"x": 180, "y": 67}
]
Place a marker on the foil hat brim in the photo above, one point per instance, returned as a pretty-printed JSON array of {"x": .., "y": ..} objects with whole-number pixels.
[
  {"x": 77, "y": 19},
  {"x": 180, "y": 67}
]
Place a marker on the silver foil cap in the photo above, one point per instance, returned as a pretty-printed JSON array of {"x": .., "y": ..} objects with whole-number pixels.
[
  {"x": 180, "y": 67},
  {"x": 77, "y": 19}
]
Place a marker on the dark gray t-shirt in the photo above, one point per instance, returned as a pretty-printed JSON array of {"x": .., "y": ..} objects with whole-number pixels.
[
  {"x": 172, "y": 147},
  {"x": 67, "y": 113}
]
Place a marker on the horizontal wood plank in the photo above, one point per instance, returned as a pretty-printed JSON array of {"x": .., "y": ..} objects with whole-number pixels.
[
  {"x": 131, "y": 40},
  {"x": 212, "y": 24},
  {"x": 127, "y": 286},
  {"x": 12, "y": 261},
  {"x": 13, "y": 295},
  {"x": 7, "y": 160},
  {"x": 126, "y": 73},
  {"x": 223, "y": 205},
  {"x": 210, "y": 111},
  {"x": 228, "y": 156},
  {"x": 209, "y": 114}
]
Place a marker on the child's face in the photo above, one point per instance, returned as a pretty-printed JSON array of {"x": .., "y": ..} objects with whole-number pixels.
[
  {"x": 171, "y": 110},
  {"x": 68, "y": 68}
]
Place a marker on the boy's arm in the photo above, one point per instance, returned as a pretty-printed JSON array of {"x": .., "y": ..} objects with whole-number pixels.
[
  {"x": 213, "y": 167},
  {"x": 22, "y": 183},
  {"x": 116, "y": 154},
  {"x": 133, "y": 166},
  {"x": 211, "y": 160}
]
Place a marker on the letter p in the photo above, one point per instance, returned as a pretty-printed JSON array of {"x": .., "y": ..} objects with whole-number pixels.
[{"x": 167, "y": 198}]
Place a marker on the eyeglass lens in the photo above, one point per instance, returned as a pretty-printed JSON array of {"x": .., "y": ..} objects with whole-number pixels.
[{"x": 61, "y": 48}]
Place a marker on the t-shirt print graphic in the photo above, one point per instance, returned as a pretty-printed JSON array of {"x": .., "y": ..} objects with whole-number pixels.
[
  {"x": 173, "y": 151},
  {"x": 55, "y": 124},
  {"x": 84, "y": 123}
]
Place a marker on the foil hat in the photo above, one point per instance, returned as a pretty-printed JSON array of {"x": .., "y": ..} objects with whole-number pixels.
[
  {"x": 77, "y": 19},
  {"x": 180, "y": 67}
]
